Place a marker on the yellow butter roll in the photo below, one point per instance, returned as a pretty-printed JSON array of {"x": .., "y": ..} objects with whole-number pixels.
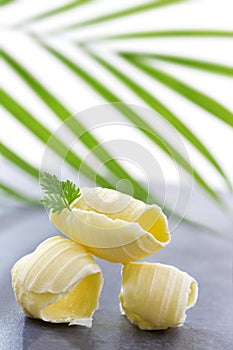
[
  {"x": 58, "y": 282},
  {"x": 113, "y": 226},
  {"x": 156, "y": 296}
]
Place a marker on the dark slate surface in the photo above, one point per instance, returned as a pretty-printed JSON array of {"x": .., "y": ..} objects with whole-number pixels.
[{"x": 205, "y": 256}]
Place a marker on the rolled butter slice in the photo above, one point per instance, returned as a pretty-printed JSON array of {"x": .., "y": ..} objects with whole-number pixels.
[
  {"x": 59, "y": 282},
  {"x": 114, "y": 226},
  {"x": 156, "y": 296}
]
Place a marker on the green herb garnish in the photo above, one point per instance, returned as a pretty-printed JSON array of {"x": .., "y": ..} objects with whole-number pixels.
[{"x": 59, "y": 194}]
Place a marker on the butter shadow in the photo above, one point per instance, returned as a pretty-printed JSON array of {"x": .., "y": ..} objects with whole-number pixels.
[
  {"x": 39, "y": 335},
  {"x": 131, "y": 337},
  {"x": 110, "y": 331},
  {"x": 186, "y": 337}
]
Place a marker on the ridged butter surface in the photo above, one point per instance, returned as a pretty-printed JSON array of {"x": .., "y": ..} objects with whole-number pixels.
[
  {"x": 58, "y": 282},
  {"x": 114, "y": 226},
  {"x": 156, "y": 296}
]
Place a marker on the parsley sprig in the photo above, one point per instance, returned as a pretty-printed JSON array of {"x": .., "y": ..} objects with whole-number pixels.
[{"x": 58, "y": 194}]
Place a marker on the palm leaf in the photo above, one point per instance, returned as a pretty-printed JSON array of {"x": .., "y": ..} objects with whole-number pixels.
[
  {"x": 202, "y": 100},
  {"x": 5, "y": 2},
  {"x": 175, "y": 33},
  {"x": 192, "y": 63},
  {"x": 155, "y": 104},
  {"x": 34, "y": 126},
  {"x": 43, "y": 134},
  {"x": 75, "y": 126},
  {"x": 133, "y": 117},
  {"x": 58, "y": 10},
  {"x": 18, "y": 161},
  {"x": 122, "y": 13},
  {"x": 17, "y": 195},
  {"x": 191, "y": 94}
]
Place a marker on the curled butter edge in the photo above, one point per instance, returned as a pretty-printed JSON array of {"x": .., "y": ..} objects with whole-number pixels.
[
  {"x": 156, "y": 296},
  {"x": 114, "y": 226},
  {"x": 59, "y": 282}
]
